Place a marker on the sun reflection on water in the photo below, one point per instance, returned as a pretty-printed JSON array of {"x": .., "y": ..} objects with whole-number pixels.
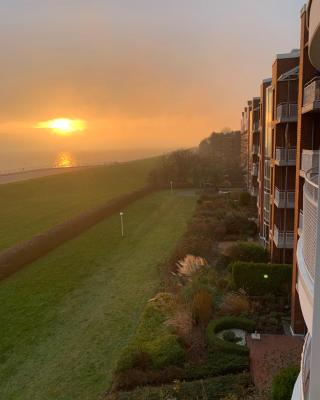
[{"x": 65, "y": 160}]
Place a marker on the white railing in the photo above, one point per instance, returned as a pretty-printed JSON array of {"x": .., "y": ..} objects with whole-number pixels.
[
  {"x": 311, "y": 92},
  {"x": 287, "y": 112},
  {"x": 309, "y": 160},
  {"x": 283, "y": 239},
  {"x": 254, "y": 169},
  {"x": 286, "y": 156},
  {"x": 310, "y": 214},
  {"x": 284, "y": 198}
]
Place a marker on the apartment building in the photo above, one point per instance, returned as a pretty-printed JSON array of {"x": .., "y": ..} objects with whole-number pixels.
[
  {"x": 264, "y": 156},
  {"x": 244, "y": 144},
  {"x": 306, "y": 267},
  {"x": 285, "y": 77},
  {"x": 252, "y": 117}
]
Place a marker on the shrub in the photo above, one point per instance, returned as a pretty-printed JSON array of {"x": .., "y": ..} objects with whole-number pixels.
[
  {"x": 245, "y": 199},
  {"x": 202, "y": 306},
  {"x": 225, "y": 323},
  {"x": 258, "y": 279},
  {"x": 190, "y": 265},
  {"x": 154, "y": 340},
  {"x": 212, "y": 388},
  {"x": 283, "y": 383},
  {"x": 165, "y": 351},
  {"x": 181, "y": 322},
  {"x": 249, "y": 252},
  {"x": 235, "y": 304}
]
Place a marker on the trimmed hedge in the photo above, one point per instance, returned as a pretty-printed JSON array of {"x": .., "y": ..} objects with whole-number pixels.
[
  {"x": 248, "y": 252},
  {"x": 153, "y": 345},
  {"x": 213, "y": 389},
  {"x": 259, "y": 279},
  {"x": 224, "y": 323},
  {"x": 23, "y": 253},
  {"x": 283, "y": 383}
]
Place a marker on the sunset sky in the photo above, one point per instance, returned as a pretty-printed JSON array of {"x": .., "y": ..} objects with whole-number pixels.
[{"x": 142, "y": 73}]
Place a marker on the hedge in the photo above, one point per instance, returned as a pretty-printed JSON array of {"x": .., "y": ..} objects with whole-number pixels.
[
  {"x": 283, "y": 383},
  {"x": 213, "y": 389},
  {"x": 153, "y": 344},
  {"x": 259, "y": 279},
  {"x": 248, "y": 252},
  {"x": 23, "y": 253},
  {"x": 224, "y": 323}
]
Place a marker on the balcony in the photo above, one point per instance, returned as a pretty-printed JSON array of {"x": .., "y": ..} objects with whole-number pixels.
[
  {"x": 254, "y": 171},
  {"x": 283, "y": 239},
  {"x": 309, "y": 160},
  {"x": 311, "y": 96},
  {"x": 255, "y": 149},
  {"x": 314, "y": 33},
  {"x": 285, "y": 156},
  {"x": 287, "y": 112},
  {"x": 284, "y": 198},
  {"x": 254, "y": 191}
]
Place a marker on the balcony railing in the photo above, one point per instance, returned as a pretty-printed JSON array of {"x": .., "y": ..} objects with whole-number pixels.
[
  {"x": 287, "y": 112},
  {"x": 255, "y": 149},
  {"x": 311, "y": 95},
  {"x": 283, "y": 239},
  {"x": 254, "y": 171},
  {"x": 285, "y": 156},
  {"x": 309, "y": 160},
  {"x": 284, "y": 198}
]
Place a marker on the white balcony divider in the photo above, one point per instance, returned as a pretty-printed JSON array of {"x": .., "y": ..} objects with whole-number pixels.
[
  {"x": 311, "y": 92},
  {"x": 284, "y": 198},
  {"x": 287, "y": 112},
  {"x": 309, "y": 160},
  {"x": 286, "y": 155},
  {"x": 283, "y": 239}
]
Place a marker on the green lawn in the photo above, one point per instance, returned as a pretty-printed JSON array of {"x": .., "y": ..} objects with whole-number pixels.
[
  {"x": 30, "y": 207},
  {"x": 65, "y": 318}
]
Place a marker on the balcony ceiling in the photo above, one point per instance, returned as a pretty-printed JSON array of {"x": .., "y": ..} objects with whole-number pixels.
[{"x": 314, "y": 33}]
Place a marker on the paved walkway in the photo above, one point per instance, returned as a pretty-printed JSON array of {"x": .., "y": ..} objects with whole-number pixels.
[
  {"x": 38, "y": 173},
  {"x": 270, "y": 354}
]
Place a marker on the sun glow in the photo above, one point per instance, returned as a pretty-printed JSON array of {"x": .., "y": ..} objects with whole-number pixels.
[{"x": 63, "y": 126}]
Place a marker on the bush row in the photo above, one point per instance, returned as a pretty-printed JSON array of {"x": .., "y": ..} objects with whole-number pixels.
[
  {"x": 213, "y": 389},
  {"x": 17, "y": 256},
  {"x": 259, "y": 279}
]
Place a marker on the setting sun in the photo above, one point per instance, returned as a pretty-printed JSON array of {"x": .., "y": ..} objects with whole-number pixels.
[{"x": 63, "y": 126}]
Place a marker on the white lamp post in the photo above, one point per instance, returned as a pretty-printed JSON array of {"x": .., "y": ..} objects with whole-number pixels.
[{"x": 122, "y": 227}]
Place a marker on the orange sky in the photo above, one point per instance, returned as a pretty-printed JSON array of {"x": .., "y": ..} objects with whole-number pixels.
[{"x": 143, "y": 73}]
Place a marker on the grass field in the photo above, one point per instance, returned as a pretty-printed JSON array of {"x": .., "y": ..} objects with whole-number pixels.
[
  {"x": 65, "y": 318},
  {"x": 30, "y": 207}
]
